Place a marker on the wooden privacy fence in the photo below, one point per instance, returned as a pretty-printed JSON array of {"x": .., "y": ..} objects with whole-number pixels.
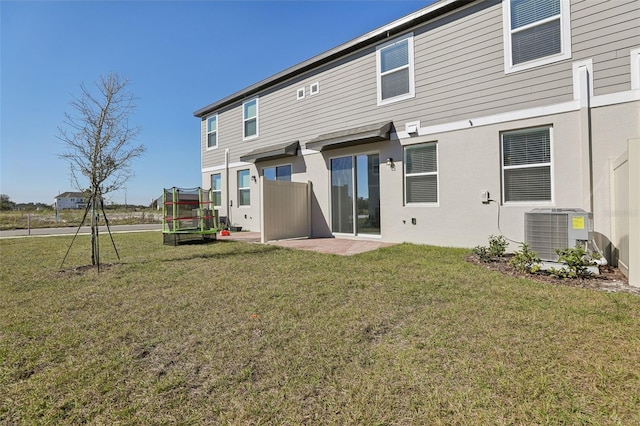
[
  {"x": 626, "y": 212},
  {"x": 285, "y": 209}
]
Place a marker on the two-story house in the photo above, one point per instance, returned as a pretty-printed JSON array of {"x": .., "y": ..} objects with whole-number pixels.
[
  {"x": 70, "y": 200},
  {"x": 444, "y": 126}
]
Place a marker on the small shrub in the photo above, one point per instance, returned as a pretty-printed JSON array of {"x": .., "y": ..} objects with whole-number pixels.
[
  {"x": 525, "y": 260},
  {"x": 559, "y": 272},
  {"x": 483, "y": 253},
  {"x": 497, "y": 245},
  {"x": 576, "y": 261}
]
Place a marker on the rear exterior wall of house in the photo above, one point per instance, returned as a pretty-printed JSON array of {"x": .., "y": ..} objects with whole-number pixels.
[{"x": 466, "y": 101}]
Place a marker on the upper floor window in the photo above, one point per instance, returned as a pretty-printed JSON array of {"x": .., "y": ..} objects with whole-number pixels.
[
  {"x": 536, "y": 32},
  {"x": 244, "y": 188},
  {"x": 216, "y": 189},
  {"x": 212, "y": 132},
  {"x": 250, "y": 119},
  {"x": 395, "y": 70},
  {"x": 421, "y": 173},
  {"x": 526, "y": 165},
  {"x": 277, "y": 173},
  {"x": 314, "y": 89}
]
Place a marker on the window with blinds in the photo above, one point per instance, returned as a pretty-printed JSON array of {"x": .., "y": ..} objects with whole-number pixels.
[
  {"x": 212, "y": 132},
  {"x": 421, "y": 173},
  {"x": 536, "y": 32},
  {"x": 216, "y": 189},
  {"x": 526, "y": 165},
  {"x": 244, "y": 188},
  {"x": 250, "y": 118},
  {"x": 395, "y": 70}
]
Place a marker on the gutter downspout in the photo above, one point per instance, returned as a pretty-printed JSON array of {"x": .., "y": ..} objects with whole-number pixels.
[
  {"x": 586, "y": 132},
  {"x": 226, "y": 179},
  {"x": 587, "y": 154}
]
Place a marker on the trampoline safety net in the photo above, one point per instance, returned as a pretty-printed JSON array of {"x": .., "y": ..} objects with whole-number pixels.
[{"x": 188, "y": 215}]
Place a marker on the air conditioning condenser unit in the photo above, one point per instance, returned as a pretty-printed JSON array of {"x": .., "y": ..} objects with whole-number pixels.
[{"x": 546, "y": 230}]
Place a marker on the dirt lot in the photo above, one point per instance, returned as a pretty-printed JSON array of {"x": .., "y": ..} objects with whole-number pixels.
[{"x": 48, "y": 219}]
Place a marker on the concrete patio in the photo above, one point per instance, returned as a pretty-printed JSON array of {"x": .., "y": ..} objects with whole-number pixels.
[{"x": 339, "y": 246}]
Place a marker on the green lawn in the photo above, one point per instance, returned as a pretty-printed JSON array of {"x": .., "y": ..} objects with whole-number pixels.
[{"x": 233, "y": 333}]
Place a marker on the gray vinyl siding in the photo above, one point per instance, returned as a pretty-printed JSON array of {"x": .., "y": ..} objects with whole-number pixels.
[
  {"x": 460, "y": 71},
  {"x": 459, "y": 75},
  {"x": 606, "y": 31},
  {"x": 229, "y": 136},
  {"x": 206, "y": 156}
]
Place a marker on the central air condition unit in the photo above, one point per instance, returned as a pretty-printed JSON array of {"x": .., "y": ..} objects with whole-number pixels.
[{"x": 546, "y": 230}]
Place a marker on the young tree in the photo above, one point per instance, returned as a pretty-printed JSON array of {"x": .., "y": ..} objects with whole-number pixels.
[{"x": 98, "y": 143}]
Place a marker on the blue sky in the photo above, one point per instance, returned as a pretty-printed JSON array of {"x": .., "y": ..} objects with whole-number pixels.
[{"x": 178, "y": 55}]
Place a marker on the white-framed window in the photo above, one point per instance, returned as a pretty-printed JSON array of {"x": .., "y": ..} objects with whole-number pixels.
[
  {"x": 300, "y": 93},
  {"x": 526, "y": 165},
  {"x": 250, "y": 119},
  {"x": 278, "y": 173},
  {"x": 536, "y": 32},
  {"x": 394, "y": 73},
  {"x": 216, "y": 189},
  {"x": 244, "y": 188},
  {"x": 212, "y": 132},
  {"x": 421, "y": 173},
  {"x": 314, "y": 88}
]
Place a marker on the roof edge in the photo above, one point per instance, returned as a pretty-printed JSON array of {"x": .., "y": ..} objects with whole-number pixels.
[{"x": 391, "y": 29}]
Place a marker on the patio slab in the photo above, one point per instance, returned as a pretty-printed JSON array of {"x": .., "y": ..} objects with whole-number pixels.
[{"x": 339, "y": 246}]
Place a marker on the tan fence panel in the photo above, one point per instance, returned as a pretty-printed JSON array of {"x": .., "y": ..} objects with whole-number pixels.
[
  {"x": 626, "y": 212},
  {"x": 286, "y": 209}
]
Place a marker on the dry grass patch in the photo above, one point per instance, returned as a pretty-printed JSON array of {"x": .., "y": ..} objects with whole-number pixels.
[
  {"x": 21, "y": 219},
  {"x": 233, "y": 333}
]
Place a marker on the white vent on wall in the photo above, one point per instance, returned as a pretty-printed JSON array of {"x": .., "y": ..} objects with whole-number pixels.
[
  {"x": 300, "y": 93},
  {"x": 314, "y": 88},
  {"x": 546, "y": 230},
  {"x": 412, "y": 127}
]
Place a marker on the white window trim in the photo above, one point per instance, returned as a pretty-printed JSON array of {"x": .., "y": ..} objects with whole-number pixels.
[
  {"x": 300, "y": 93},
  {"x": 410, "y": 66},
  {"x": 240, "y": 188},
  {"x": 436, "y": 174},
  {"x": 245, "y": 119},
  {"x": 214, "y": 131},
  {"x": 317, "y": 88},
  {"x": 528, "y": 166},
  {"x": 565, "y": 36},
  {"x": 213, "y": 191}
]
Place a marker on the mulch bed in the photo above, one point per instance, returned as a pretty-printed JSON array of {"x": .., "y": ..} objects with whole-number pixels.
[{"x": 610, "y": 279}]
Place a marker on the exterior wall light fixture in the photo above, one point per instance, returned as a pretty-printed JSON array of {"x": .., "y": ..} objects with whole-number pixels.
[{"x": 391, "y": 164}]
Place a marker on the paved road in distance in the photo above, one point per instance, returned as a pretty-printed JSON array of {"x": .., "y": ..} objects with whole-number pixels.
[{"x": 83, "y": 231}]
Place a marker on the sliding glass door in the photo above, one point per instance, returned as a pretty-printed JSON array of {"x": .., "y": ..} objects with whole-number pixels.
[
  {"x": 355, "y": 212},
  {"x": 342, "y": 195}
]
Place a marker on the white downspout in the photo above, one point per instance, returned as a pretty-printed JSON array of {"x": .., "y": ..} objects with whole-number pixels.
[
  {"x": 226, "y": 179},
  {"x": 603, "y": 260}
]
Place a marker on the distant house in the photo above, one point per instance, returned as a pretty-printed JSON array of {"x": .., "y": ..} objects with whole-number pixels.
[
  {"x": 70, "y": 200},
  {"x": 157, "y": 203}
]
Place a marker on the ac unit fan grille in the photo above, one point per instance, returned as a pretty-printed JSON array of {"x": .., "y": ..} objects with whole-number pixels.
[{"x": 544, "y": 233}]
